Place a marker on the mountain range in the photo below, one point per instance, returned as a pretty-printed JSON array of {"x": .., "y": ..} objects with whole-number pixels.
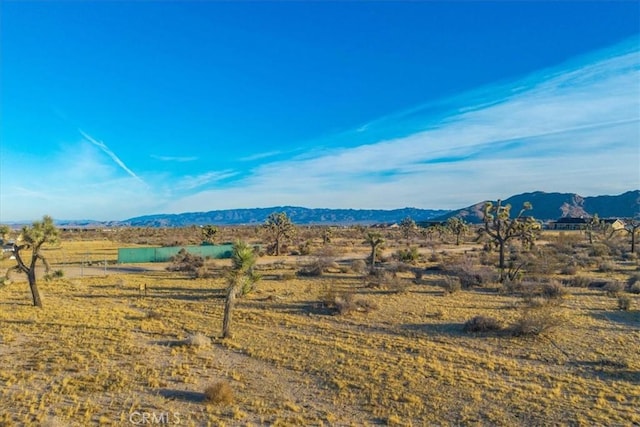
[
  {"x": 550, "y": 206},
  {"x": 546, "y": 206}
]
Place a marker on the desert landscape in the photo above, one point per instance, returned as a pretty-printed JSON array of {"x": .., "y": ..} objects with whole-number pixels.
[{"x": 427, "y": 336}]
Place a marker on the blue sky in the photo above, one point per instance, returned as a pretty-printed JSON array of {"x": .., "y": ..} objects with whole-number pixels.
[{"x": 111, "y": 110}]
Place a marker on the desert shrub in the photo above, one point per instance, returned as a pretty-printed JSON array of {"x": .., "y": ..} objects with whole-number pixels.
[
  {"x": 197, "y": 340},
  {"x": 321, "y": 262},
  {"x": 633, "y": 283},
  {"x": 346, "y": 303},
  {"x": 469, "y": 274},
  {"x": 482, "y": 324},
  {"x": 451, "y": 285},
  {"x": 288, "y": 275},
  {"x": 219, "y": 393},
  {"x": 304, "y": 248},
  {"x": 511, "y": 287},
  {"x": 599, "y": 250},
  {"x": 152, "y": 314},
  {"x": 606, "y": 267},
  {"x": 397, "y": 285},
  {"x": 359, "y": 266},
  {"x": 553, "y": 290},
  {"x": 579, "y": 282},
  {"x": 624, "y": 303},
  {"x": 56, "y": 274},
  {"x": 569, "y": 269},
  {"x": 380, "y": 278},
  {"x": 629, "y": 256},
  {"x": 434, "y": 257},
  {"x": 613, "y": 289},
  {"x": 186, "y": 262},
  {"x": 535, "y": 321},
  {"x": 311, "y": 270},
  {"x": 409, "y": 255}
]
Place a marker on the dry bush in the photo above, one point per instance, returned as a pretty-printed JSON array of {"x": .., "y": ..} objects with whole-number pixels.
[
  {"x": 606, "y": 267},
  {"x": 633, "y": 283},
  {"x": 553, "y": 290},
  {"x": 569, "y": 270},
  {"x": 380, "y": 277},
  {"x": 197, "y": 340},
  {"x": 599, "y": 250},
  {"x": 152, "y": 314},
  {"x": 613, "y": 289},
  {"x": 409, "y": 255},
  {"x": 579, "y": 282},
  {"x": 359, "y": 266},
  {"x": 482, "y": 324},
  {"x": 186, "y": 262},
  {"x": 470, "y": 274},
  {"x": 624, "y": 303},
  {"x": 398, "y": 285},
  {"x": 346, "y": 303},
  {"x": 219, "y": 393},
  {"x": 321, "y": 262},
  {"x": 536, "y": 321},
  {"x": 451, "y": 285}
]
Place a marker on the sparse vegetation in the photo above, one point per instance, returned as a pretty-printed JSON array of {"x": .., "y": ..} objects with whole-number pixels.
[
  {"x": 482, "y": 324},
  {"x": 387, "y": 347},
  {"x": 219, "y": 393}
]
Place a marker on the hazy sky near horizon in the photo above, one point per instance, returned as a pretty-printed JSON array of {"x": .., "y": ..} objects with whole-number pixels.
[{"x": 115, "y": 109}]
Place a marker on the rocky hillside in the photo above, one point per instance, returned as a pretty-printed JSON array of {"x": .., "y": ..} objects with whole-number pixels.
[{"x": 550, "y": 206}]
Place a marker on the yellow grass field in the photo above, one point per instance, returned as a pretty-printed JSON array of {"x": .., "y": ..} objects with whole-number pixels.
[{"x": 99, "y": 352}]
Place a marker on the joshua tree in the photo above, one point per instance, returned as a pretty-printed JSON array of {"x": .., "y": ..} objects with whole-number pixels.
[
  {"x": 408, "y": 226},
  {"x": 31, "y": 239},
  {"x": 376, "y": 240},
  {"x": 458, "y": 227},
  {"x": 241, "y": 280},
  {"x": 500, "y": 227},
  {"x": 279, "y": 227},
  {"x": 593, "y": 224},
  {"x": 209, "y": 233},
  {"x": 4, "y": 232},
  {"x": 631, "y": 226},
  {"x": 327, "y": 233}
]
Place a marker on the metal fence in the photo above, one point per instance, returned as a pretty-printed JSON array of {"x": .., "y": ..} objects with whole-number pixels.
[{"x": 163, "y": 254}]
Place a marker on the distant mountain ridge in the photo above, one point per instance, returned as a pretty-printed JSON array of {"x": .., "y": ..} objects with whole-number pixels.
[
  {"x": 546, "y": 206},
  {"x": 299, "y": 215},
  {"x": 550, "y": 206}
]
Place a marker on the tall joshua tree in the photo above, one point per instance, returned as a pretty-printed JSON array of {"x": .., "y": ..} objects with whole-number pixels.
[
  {"x": 375, "y": 240},
  {"x": 280, "y": 228},
  {"x": 31, "y": 239},
  {"x": 500, "y": 227},
  {"x": 241, "y": 280},
  {"x": 631, "y": 226},
  {"x": 458, "y": 227}
]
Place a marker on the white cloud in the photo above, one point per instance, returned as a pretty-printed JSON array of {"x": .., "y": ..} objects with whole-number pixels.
[
  {"x": 174, "y": 158},
  {"x": 574, "y": 130}
]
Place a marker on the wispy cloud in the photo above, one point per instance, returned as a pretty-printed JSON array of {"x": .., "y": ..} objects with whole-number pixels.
[
  {"x": 573, "y": 128},
  {"x": 109, "y": 153},
  {"x": 192, "y": 182},
  {"x": 174, "y": 158},
  {"x": 260, "y": 156}
]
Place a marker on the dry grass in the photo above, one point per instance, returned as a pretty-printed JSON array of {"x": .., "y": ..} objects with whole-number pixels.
[
  {"x": 219, "y": 393},
  {"x": 94, "y": 354}
]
